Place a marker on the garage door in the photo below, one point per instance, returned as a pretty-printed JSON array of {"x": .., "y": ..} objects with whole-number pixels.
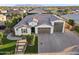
[
  {"x": 58, "y": 26},
  {"x": 43, "y": 30}
]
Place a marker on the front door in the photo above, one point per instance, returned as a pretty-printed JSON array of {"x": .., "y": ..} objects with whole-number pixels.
[{"x": 33, "y": 30}]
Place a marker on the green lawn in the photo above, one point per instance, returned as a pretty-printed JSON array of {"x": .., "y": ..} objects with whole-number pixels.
[
  {"x": 8, "y": 46},
  {"x": 32, "y": 49}
]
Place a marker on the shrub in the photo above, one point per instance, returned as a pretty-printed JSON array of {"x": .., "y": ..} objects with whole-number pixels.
[
  {"x": 1, "y": 37},
  {"x": 77, "y": 29},
  {"x": 30, "y": 39},
  {"x": 71, "y": 22}
]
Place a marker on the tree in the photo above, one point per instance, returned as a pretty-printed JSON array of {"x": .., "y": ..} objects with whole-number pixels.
[
  {"x": 15, "y": 20},
  {"x": 71, "y": 22},
  {"x": 59, "y": 11},
  {"x": 67, "y": 11},
  {"x": 24, "y": 14},
  {"x": 8, "y": 24},
  {"x": 1, "y": 37}
]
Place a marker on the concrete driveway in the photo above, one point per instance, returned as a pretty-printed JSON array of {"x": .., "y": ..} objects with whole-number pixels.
[{"x": 50, "y": 43}]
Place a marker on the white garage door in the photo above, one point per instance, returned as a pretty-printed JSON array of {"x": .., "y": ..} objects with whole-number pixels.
[
  {"x": 58, "y": 26},
  {"x": 43, "y": 30}
]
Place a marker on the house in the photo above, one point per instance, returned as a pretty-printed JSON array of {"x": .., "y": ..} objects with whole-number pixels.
[
  {"x": 2, "y": 18},
  {"x": 39, "y": 23},
  {"x": 3, "y": 11}
]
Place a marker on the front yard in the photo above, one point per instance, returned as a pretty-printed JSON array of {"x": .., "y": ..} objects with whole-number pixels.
[
  {"x": 7, "y": 46},
  {"x": 32, "y": 49}
]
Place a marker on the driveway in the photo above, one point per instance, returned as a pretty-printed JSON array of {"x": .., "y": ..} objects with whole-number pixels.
[{"x": 56, "y": 42}]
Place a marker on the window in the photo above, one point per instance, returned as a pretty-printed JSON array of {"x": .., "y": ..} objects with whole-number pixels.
[{"x": 24, "y": 30}]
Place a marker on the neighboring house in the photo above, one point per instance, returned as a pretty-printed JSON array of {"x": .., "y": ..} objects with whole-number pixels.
[
  {"x": 74, "y": 17},
  {"x": 2, "y": 18},
  {"x": 3, "y": 11},
  {"x": 74, "y": 9},
  {"x": 16, "y": 11},
  {"x": 39, "y": 23}
]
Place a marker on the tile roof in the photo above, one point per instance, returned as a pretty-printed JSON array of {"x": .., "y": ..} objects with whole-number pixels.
[{"x": 42, "y": 19}]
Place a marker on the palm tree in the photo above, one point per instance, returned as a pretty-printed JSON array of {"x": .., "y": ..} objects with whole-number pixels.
[{"x": 1, "y": 37}]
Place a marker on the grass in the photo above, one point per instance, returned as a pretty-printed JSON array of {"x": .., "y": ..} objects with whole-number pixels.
[
  {"x": 8, "y": 46},
  {"x": 77, "y": 29},
  {"x": 32, "y": 49}
]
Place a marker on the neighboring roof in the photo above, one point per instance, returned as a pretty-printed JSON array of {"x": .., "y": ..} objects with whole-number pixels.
[
  {"x": 15, "y": 11},
  {"x": 42, "y": 19},
  {"x": 74, "y": 9},
  {"x": 38, "y": 11},
  {"x": 72, "y": 16}
]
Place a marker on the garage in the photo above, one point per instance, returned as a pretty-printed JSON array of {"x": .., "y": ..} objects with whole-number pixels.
[
  {"x": 43, "y": 30},
  {"x": 58, "y": 26}
]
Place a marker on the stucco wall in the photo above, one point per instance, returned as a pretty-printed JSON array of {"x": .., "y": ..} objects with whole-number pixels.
[
  {"x": 2, "y": 18},
  {"x": 18, "y": 31}
]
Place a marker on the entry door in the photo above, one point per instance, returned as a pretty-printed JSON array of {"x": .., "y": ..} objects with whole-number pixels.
[{"x": 33, "y": 30}]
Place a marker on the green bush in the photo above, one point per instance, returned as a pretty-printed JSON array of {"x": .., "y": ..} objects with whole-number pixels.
[
  {"x": 32, "y": 49},
  {"x": 77, "y": 29},
  {"x": 30, "y": 39},
  {"x": 71, "y": 22},
  {"x": 33, "y": 40}
]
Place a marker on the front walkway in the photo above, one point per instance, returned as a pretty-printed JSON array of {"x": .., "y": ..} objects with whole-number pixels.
[
  {"x": 21, "y": 46},
  {"x": 12, "y": 37},
  {"x": 57, "y": 42}
]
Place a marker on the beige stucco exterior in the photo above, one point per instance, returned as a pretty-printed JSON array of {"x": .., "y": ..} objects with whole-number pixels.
[
  {"x": 19, "y": 32},
  {"x": 2, "y": 18}
]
